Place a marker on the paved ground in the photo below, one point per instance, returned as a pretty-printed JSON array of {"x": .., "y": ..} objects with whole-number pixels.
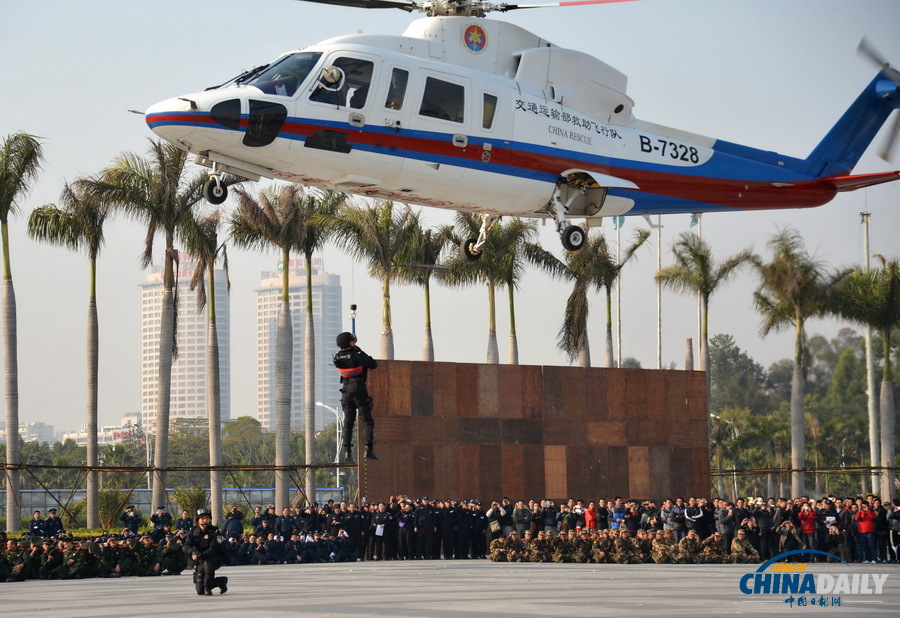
[{"x": 440, "y": 588}]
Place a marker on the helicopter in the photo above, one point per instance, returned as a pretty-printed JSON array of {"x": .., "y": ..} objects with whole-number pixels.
[{"x": 472, "y": 114}]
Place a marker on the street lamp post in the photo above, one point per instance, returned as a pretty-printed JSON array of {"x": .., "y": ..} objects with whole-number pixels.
[{"x": 339, "y": 422}]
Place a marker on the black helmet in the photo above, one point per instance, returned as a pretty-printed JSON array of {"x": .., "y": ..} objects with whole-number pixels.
[
  {"x": 345, "y": 339},
  {"x": 203, "y": 511}
]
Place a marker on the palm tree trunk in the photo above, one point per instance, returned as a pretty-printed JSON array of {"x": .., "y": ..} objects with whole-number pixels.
[
  {"x": 798, "y": 428},
  {"x": 284, "y": 354},
  {"x": 608, "y": 360},
  {"x": 888, "y": 424},
  {"x": 387, "y": 333},
  {"x": 584, "y": 352},
  {"x": 93, "y": 363},
  {"x": 163, "y": 393},
  {"x": 309, "y": 385},
  {"x": 428, "y": 345},
  {"x": 513, "y": 343},
  {"x": 11, "y": 372},
  {"x": 214, "y": 403},
  {"x": 493, "y": 354}
]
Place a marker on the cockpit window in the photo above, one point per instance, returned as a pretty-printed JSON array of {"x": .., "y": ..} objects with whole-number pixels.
[
  {"x": 348, "y": 86},
  {"x": 285, "y": 75}
]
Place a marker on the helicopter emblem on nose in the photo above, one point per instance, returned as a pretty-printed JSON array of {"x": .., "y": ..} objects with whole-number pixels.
[{"x": 474, "y": 38}]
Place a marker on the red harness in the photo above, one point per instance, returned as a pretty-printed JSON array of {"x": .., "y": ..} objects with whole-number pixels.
[{"x": 352, "y": 372}]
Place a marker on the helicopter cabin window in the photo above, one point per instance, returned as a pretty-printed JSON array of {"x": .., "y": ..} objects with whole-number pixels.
[
  {"x": 344, "y": 83},
  {"x": 489, "y": 109},
  {"x": 443, "y": 100},
  {"x": 397, "y": 89},
  {"x": 285, "y": 75}
]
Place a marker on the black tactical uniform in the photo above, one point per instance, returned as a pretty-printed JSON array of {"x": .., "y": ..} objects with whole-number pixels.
[
  {"x": 203, "y": 542},
  {"x": 354, "y": 365}
]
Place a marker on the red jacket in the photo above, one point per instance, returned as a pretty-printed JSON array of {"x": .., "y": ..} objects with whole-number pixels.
[
  {"x": 807, "y": 521},
  {"x": 590, "y": 519},
  {"x": 865, "y": 521}
]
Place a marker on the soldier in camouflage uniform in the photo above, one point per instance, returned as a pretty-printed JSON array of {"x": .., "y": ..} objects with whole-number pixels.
[
  {"x": 689, "y": 548},
  {"x": 712, "y": 550},
  {"x": 583, "y": 548},
  {"x": 601, "y": 551},
  {"x": 644, "y": 545},
  {"x": 497, "y": 550},
  {"x": 663, "y": 550},
  {"x": 741, "y": 549},
  {"x": 516, "y": 550},
  {"x": 563, "y": 548},
  {"x": 624, "y": 550},
  {"x": 540, "y": 548}
]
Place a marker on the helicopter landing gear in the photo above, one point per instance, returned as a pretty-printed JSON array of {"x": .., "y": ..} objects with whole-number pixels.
[
  {"x": 572, "y": 236},
  {"x": 471, "y": 248},
  {"x": 214, "y": 191}
]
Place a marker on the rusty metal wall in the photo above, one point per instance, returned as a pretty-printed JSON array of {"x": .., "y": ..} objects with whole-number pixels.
[{"x": 464, "y": 430}]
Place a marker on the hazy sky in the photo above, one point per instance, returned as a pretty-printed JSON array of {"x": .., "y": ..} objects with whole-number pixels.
[{"x": 772, "y": 74}]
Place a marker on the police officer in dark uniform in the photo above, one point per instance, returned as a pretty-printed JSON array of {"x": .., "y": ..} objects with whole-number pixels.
[
  {"x": 354, "y": 365},
  {"x": 203, "y": 546},
  {"x": 53, "y": 525}
]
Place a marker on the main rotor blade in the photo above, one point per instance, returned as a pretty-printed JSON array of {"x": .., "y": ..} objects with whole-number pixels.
[
  {"x": 406, "y": 5},
  {"x": 513, "y": 7},
  {"x": 892, "y": 137}
]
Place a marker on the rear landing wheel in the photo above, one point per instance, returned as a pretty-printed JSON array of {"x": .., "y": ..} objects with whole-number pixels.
[
  {"x": 214, "y": 191},
  {"x": 573, "y": 238},
  {"x": 468, "y": 250}
]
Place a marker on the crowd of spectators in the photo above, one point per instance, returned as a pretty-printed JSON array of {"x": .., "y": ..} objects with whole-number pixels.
[{"x": 623, "y": 531}]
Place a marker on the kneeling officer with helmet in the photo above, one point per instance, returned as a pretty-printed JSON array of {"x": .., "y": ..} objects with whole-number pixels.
[
  {"x": 354, "y": 365},
  {"x": 203, "y": 546}
]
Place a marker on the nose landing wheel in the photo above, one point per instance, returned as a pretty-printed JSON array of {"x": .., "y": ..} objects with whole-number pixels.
[
  {"x": 573, "y": 238},
  {"x": 214, "y": 191}
]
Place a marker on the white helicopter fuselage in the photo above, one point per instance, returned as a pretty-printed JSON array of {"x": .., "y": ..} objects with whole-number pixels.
[{"x": 553, "y": 112}]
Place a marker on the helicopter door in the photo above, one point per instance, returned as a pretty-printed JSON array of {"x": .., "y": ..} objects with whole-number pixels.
[
  {"x": 392, "y": 105},
  {"x": 440, "y": 123},
  {"x": 340, "y": 97}
]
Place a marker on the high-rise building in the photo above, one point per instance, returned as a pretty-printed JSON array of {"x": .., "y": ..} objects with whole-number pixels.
[
  {"x": 188, "y": 395},
  {"x": 326, "y": 300}
]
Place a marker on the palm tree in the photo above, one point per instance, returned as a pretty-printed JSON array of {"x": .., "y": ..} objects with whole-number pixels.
[
  {"x": 502, "y": 264},
  {"x": 201, "y": 239},
  {"x": 308, "y": 207},
  {"x": 21, "y": 156},
  {"x": 290, "y": 219},
  {"x": 78, "y": 224},
  {"x": 792, "y": 289},
  {"x": 608, "y": 276},
  {"x": 384, "y": 237},
  {"x": 157, "y": 191},
  {"x": 585, "y": 268},
  {"x": 695, "y": 272},
  {"x": 429, "y": 246},
  {"x": 872, "y": 298}
]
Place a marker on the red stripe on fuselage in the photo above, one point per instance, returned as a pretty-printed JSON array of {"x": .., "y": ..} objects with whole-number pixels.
[{"x": 734, "y": 193}]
